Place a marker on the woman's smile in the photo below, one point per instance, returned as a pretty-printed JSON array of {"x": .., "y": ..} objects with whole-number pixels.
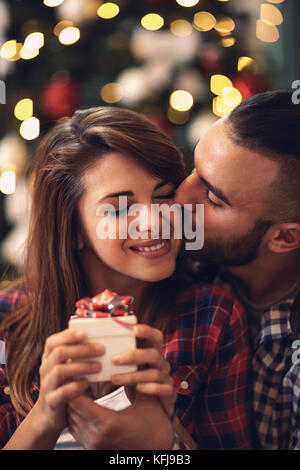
[{"x": 152, "y": 249}]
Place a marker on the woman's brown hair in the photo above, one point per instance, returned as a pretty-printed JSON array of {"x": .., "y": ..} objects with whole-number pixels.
[{"x": 52, "y": 278}]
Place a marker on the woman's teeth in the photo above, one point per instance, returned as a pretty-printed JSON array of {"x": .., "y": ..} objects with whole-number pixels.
[{"x": 151, "y": 248}]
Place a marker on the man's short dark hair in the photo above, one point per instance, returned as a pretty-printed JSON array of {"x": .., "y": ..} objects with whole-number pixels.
[{"x": 269, "y": 124}]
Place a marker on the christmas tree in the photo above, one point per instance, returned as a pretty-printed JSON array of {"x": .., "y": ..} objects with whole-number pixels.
[{"x": 182, "y": 63}]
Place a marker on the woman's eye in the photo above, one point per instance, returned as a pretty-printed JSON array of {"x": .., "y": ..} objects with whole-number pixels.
[
  {"x": 167, "y": 196},
  {"x": 210, "y": 200},
  {"x": 119, "y": 213}
]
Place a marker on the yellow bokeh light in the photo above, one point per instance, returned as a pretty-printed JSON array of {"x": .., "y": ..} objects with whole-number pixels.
[
  {"x": 8, "y": 49},
  {"x": 34, "y": 41},
  {"x": 111, "y": 92},
  {"x": 178, "y": 117},
  {"x": 270, "y": 13},
  {"x": 53, "y": 3},
  {"x": 181, "y": 28},
  {"x": 152, "y": 21},
  {"x": 219, "y": 108},
  {"x": 231, "y": 96},
  {"x": 276, "y": 1},
  {"x": 24, "y": 109},
  {"x": 224, "y": 24},
  {"x": 108, "y": 10},
  {"x": 30, "y": 128},
  {"x": 266, "y": 31},
  {"x": 28, "y": 54},
  {"x": 181, "y": 100},
  {"x": 8, "y": 182},
  {"x": 16, "y": 57},
  {"x": 187, "y": 3},
  {"x": 204, "y": 21},
  {"x": 246, "y": 63},
  {"x": 218, "y": 83},
  {"x": 228, "y": 42},
  {"x": 69, "y": 35},
  {"x": 61, "y": 26}
]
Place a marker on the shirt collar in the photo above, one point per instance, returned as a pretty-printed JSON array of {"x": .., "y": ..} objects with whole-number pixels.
[{"x": 275, "y": 322}]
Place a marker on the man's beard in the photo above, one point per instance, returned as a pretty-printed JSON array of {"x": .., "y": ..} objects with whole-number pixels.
[{"x": 237, "y": 252}]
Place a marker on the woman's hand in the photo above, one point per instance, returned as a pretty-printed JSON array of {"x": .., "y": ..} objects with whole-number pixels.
[
  {"x": 58, "y": 371},
  {"x": 153, "y": 374}
]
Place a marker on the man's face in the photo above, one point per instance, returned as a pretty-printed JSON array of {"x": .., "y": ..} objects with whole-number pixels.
[{"x": 232, "y": 182}]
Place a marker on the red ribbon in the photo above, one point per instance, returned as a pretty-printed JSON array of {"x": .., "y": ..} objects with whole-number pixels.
[{"x": 107, "y": 304}]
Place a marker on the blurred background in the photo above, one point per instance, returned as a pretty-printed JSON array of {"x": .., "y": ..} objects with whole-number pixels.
[{"x": 182, "y": 63}]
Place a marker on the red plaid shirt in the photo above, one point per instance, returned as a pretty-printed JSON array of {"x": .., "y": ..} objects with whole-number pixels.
[{"x": 206, "y": 343}]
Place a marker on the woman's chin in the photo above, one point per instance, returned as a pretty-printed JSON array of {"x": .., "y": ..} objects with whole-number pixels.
[{"x": 155, "y": 275}]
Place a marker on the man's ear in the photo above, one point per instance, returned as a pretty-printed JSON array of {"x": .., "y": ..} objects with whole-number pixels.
[{"x": 284, "y": 238}]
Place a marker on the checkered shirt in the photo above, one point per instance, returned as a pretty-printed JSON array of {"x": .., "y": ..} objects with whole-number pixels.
[
  {"x": 275, "y": 384},
  {"x": 206, "y": 343}
]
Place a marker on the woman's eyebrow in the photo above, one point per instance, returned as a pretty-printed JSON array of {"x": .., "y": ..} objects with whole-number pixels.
[
  {"x": 122, "y": 193},
  {"x": 130, "y": 193}
]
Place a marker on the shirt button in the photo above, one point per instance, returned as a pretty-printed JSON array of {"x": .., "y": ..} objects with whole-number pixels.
[
  {"x": 6, "y": 390},
  {"x": 184, "y": 384}
]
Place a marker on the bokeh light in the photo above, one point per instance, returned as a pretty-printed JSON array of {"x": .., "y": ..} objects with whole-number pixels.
[
  {"x": 108, "y": 10},
  {"x": 271, "y": 13},
  {"x": 152, "y": 21},
  {"x": 8, "y": 49},
  {"x": 204, "y": 21},
  {"x": 24, "y": 109},
  {"x": 266, "y": 32},
  {"x": 8, "y": 181},
  {"x": 187, "y": 3},
  {"x": 34, "y": 41},
  {"x": 30, "y": 128},
  {"x": 69, "y": 35},
  {"x": 181, "y": 100},
  {"x": 53, "y": 3},
  {"x": 111, "y": 92},
  {"x": 218, "y": 83},
  {"x": 181, "y": 28}
]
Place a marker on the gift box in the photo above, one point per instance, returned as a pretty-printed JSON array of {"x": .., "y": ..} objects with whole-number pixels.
[{"x": 107, "y": 319}]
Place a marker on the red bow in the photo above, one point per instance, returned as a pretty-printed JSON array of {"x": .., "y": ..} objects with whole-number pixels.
[{"x": 105, "y": 305}]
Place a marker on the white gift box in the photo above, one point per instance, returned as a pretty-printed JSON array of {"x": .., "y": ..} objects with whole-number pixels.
[{"x": 114, "y": 336}]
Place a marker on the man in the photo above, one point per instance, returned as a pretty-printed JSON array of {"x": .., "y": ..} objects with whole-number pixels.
[{"x": 247, "y": 173}]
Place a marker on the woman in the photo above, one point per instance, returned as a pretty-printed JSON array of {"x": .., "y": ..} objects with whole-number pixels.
[{"x": 92, "y": 159}]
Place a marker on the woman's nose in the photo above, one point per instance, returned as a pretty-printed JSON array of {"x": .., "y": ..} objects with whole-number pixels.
[{"x": 146, "y": 224}]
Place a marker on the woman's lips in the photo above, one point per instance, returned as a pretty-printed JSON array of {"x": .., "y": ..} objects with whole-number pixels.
[{"x": 152, "y": 249}]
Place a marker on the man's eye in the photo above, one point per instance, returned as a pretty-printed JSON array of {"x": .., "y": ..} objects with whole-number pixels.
[{"x": 210, "y": 201}]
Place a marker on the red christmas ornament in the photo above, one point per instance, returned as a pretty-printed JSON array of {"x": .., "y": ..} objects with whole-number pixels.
[
  {"x": 249, "y": 85},
  {"x": 60, "y": 97},
  {"x": 160, "y": 122}
]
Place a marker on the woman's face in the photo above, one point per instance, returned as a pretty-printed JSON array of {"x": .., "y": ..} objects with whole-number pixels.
[{"x": 143, "y": 258}]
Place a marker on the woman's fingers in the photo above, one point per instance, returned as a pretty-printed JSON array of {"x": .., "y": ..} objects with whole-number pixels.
[
  {"x": 64, "y": 353},
  {"x": 64, "y": 337},
  {"x": 152, "y": 336},
  {"x": 62, "y": 373},
  {"x": 161, "y": 383},
  {"x": 66, "y": 392},
  {"x": 147, "y": 357}
]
